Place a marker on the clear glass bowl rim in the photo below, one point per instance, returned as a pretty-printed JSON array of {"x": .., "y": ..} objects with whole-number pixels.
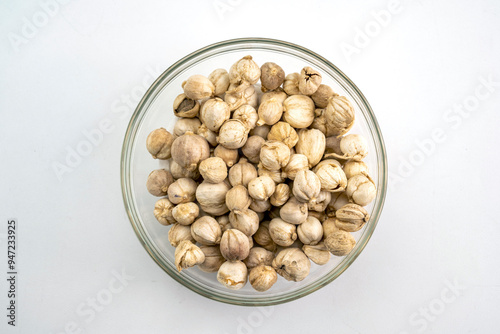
[{"x": 238, "y": 44}]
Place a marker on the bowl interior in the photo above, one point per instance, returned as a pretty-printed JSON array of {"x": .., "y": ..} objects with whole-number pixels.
[{"x": 155, "y": 110}]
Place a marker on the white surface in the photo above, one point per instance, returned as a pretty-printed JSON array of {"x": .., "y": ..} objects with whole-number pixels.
[{"x": 439, "y": 226}]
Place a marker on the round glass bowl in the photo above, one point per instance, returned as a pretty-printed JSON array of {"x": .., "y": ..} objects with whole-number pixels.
[{"x": 155, "y": 110}]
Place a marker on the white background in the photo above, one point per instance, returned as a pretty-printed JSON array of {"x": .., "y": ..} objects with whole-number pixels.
[{"x": 439, "y": 227}]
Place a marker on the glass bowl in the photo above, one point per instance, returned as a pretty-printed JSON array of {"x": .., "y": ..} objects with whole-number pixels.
[{"x": 155, "y": 110}]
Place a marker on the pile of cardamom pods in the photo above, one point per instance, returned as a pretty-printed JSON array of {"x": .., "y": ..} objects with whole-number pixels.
[{"x": 263, "y": 178}]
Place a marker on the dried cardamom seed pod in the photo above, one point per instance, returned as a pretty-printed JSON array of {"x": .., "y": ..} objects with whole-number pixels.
[
  {"x": 294, "y": 212},
  {"x": 158, "y": 182},
  {"x": 237, "y": 198},
  {"x": 184, "y": 125},
  {"x": 306, "y": 186},
  {"x": 244, "y": 70},
  {"x": 291, "y": 84},
  {"x": 278, "y": 94},
  {"x": 213, "y": 259},
  {"x": 163, "y": 211},
  {"x": 233, "y": 134},
  {"x": 263, "y": 238},
  {"x": 275, "y": 175},
  {"x": 281, "y": 194},
  {"x": 208, "y": 134},
  {"x": 283, "y": 132},
  {"x": 361, "y": 189},
  {"x": 189, "y": 150},
  {"x": 331, "y": 175},
  {"x": 353, "y": 147},
  {"x": 252, "y": 148},
  {"x": 352, "y": 168},
  {"x": 179, "y": 172},
  {"x": 261, "y": 188},
  {"x": 282, "y": 233},
  {"x": 188, "y": 255},
  {"x": 178, "y": 233},
  {"x": 234, "y": 245},
  {"x": 321, "y": 202},
  {"x": 261, "y": 131},
  {"x": 321, "y": 96},
  {"x": 213, "y": 170},
  {"x": 292, "y": 264},
  {"x": 260, "y": 206},
  {"x": 309, "y": 81},
  {"x": 297, "y": 163},
  {"x": 270, "y": 112},
  {"x": 206, "y": 231},
  {"x": 220, "y": 80},
  {"x": 329, "y": 227},
  {"x": 274, "y": 155},
  {"x": 198, "y": 87},
  {"x": 212, "y": 197},
  {"x": 242, "y": 173},
  {"x": 183, "y": 190},
  {"x": 298, "y": 111},
  {"x": 248, "y": 115},
  {"x": 238, "y": 95},
  {"x": 259, "y": 256},
  {"x": 186, "y": 107},
  {"x": 233, "y": 274},
  {"x": 214, "y": 112},
  {"x": 310, "y": 232},
  {"x": 159, "y": 143},
  {"x": 271, "y": 76},
  {"x": 229, "y": 156},
  {"x": 318, "y": 254},
  {"x": 319, "y": 121},
  {"x": 311, "y": 143},
  {"x": 340, "y": 243},
  {"x": 186, "y": 213},
  {"x": 351, "y": 217},
  {"x": 339, "y": 115},
  {"x": 247, "y": 221},
  {"x": 338, "y": 200},
  {"x": 262, "y": 278}
]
